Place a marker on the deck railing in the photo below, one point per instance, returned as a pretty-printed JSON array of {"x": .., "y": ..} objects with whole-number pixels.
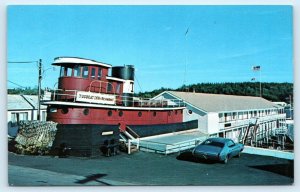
[{"x": 70, "y": 96}]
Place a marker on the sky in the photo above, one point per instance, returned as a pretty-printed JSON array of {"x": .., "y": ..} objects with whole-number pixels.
[{"x": 168, "y": 45}]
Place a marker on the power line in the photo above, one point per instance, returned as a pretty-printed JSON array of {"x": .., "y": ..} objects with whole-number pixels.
[
  {"x": 22, "y": 61},
  {"x": 16, "y": 84}
]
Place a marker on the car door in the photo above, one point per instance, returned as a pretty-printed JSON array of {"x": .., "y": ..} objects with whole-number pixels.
[{"x": 232, "y": 148}]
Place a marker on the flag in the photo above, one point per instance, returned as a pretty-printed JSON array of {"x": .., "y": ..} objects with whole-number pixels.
[
  {"x": 256, "y": 68},
  {"x": 253, "y": 79}
]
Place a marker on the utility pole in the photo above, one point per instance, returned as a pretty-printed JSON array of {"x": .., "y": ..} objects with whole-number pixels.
[{"x": 39, "y": 89}]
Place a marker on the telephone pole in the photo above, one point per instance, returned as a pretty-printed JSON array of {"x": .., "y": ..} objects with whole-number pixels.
[{"x": 39, "y": 89}]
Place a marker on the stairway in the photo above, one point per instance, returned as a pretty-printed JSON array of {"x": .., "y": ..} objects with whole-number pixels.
[{"x": 129, "y": 140}]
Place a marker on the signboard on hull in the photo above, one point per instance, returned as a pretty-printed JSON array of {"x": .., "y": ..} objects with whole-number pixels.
[{"x": 90, "y": 97}]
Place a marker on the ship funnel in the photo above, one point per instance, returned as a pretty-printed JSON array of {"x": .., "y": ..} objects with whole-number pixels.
[{"x": 127, "y": 73}]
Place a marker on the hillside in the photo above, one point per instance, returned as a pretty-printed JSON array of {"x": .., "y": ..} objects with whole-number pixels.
[{"x": 270, "y": 91}]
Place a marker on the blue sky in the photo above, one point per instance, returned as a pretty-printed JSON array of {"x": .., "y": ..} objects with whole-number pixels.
[{"x": 222, "y": 43}]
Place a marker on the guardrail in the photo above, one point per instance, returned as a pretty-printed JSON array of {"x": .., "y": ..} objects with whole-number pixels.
[{"x": 243, "y": 122}]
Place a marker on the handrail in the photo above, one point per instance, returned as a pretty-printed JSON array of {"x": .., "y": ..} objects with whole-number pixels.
[
  {"x": 141, "y": 102},
  {"x": 100, "y": 87},
  {"x": 127, "y": 127}
]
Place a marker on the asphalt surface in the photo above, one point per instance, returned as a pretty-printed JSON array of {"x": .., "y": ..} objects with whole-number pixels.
[{"x": 147, "y": 169}]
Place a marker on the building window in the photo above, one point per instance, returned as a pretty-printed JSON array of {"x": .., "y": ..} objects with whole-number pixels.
[
  {"x": 85, "y": 72},
  {"x": 16, "y": 117},
  {"x": 234, "y": 116},
  {"x": 44, "y": 115},
  {"x": 23, "y": 116},
  {"x": 220, "y": 117},
  {"x": 240, "y": 115}
]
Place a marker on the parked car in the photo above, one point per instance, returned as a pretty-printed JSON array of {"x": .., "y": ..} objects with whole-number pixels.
[{"x": 219, "y": 149}]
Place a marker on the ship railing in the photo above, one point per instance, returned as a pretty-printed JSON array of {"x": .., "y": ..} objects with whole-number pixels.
[
  {"x": 107, "y": 84},
  {"x": 70, "y": 96},
  {"x": 62, "y": 94}
]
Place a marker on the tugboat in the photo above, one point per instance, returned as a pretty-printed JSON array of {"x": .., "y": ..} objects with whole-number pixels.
[{"x": 92, "y": 107}]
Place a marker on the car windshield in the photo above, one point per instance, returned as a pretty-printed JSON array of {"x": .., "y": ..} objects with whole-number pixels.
[{"x": 214, "y": 143}]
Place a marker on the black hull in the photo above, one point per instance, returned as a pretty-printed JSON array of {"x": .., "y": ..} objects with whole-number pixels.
[
  {"x": 90, "y": 140},
  {"x": 84, "y": 139}
]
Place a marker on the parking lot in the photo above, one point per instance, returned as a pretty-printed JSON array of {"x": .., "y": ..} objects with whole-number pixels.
[{"x": 143, "y": 168}]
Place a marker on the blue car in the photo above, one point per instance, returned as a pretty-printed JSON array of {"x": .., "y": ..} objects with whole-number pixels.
[{"x": 218, "y": 149}]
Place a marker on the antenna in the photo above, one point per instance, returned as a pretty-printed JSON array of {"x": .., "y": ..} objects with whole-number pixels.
[{"x": 186, "y": 59}]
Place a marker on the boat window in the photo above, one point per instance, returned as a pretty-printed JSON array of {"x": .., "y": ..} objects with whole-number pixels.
[
  {"x": 131, "y": 87},
  {"x": 69, "y": 72},
  {"x": 109, "y": 87},
  {"x": 62, "y": 71},
  {"x": 85, "y": 72},
  {"x": 118, "y": 88},
  {"x": 99, "y": 73},
  {"x": 93, "y": 73},
  {"x": 140, "y": 114},
  {"x": 77, "y": 71}
]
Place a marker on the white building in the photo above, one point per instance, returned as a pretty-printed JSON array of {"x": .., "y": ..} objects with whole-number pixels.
[
  {"x": 228, "y": 115},
  {"x": 24, "y": 107}
]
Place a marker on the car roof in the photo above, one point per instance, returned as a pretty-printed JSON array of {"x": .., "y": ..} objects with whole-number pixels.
[{"x": 219, "y": 139}]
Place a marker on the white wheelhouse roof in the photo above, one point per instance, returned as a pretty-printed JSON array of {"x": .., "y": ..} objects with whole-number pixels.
[{"x": 77, "y": 60}]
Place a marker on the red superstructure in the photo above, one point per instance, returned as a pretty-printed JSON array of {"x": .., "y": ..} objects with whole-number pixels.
[{"x": 87, "y": 95}]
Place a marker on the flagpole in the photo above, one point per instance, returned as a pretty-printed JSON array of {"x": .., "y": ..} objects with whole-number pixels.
[{"x": 260, "y": 82}]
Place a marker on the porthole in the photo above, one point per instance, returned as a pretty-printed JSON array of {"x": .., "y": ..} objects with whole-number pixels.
[
  {"x": 86, "y": 111},
  {"x": 140, "y": 114},
  {"x": 109, "y": 113},
  {"x": 154, "y": 114},
  {"x": 64, "y": 110},
  {"x": 120, "y": 113},
  {"x": 190, "y": 112}
]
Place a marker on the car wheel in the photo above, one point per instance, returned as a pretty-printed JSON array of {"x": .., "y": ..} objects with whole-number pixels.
[{"x": 226, "y": 159}]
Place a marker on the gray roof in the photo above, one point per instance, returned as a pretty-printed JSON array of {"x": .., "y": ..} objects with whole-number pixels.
[
  {"x": 23, "y": 102},
  {"x": 218, "y": 102}
]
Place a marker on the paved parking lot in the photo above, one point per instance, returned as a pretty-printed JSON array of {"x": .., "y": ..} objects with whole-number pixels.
[{"x": 143, "y": 168}]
